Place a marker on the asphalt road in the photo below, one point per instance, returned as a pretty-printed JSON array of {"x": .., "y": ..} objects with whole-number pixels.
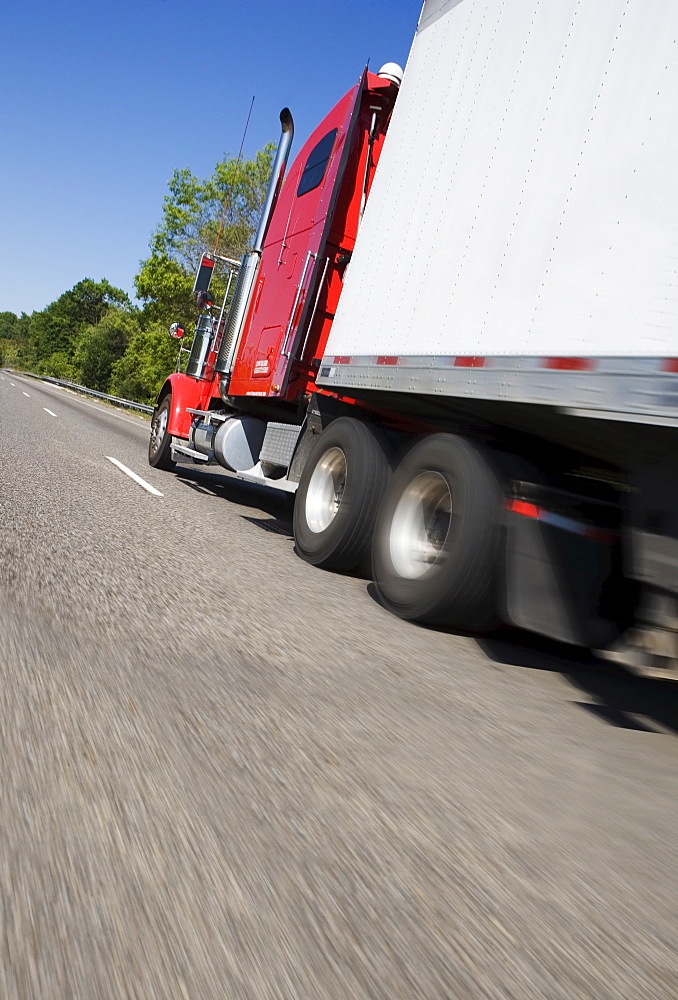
[{"x": 226, "y": 774}]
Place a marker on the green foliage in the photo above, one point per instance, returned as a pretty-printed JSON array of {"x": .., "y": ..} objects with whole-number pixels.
[
  {"x": 77, "y": 337},
  {"x": 167, "y": 290},
  {"x": 193, "y": 210},
  {"x": 88, "y": 301},
  {"x": 99, "y": 347},
  {"x": 9, "y": 325},
  {"x": 58, "y": 365},
  {"x": 56, "y": 328},
  {"x": 9, "y": 353},
  {"x": 48, "y": 335},
  {"x": 150, "y": 357},
  {"x": 93, "y": 335},
  {"x": 192, "y": 224}
]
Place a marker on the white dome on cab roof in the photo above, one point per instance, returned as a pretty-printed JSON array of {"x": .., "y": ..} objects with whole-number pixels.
[{"x": 393, "y": 72}]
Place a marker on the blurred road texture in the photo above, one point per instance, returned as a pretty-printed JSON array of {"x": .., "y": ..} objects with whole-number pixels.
[{"x": 226, "y": 774}]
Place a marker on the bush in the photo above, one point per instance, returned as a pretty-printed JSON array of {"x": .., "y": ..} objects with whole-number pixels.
[
  {"x": 150, "y": 357},
  {"x": 99, "y": 347},
  {"x": 58, "y": 365}
]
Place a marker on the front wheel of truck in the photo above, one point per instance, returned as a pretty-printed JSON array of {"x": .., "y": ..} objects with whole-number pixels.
[{"x": 160, "y": 442}]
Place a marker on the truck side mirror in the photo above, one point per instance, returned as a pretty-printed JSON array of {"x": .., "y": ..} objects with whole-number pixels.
[
  {"x": 204, "y": 274},
  {"x": 176, "y": 331}
]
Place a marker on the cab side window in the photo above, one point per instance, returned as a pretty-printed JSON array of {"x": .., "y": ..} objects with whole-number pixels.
[{"x": 316, "y": 165}]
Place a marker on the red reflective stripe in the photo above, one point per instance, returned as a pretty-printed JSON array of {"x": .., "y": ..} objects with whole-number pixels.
[
  {"x": 539, "y": 514},
  {"x": 342, "y": 359},
  {"x": 600, "y": 535},
  {"x": 386, "y": 359},
  {"x": 669, "y": 365},
  {"x": 522, "y": 507},
  {"x": 206, "y": 262},
  {"x": 569, "y": 364},
  {"x": 469, "y": 362}
]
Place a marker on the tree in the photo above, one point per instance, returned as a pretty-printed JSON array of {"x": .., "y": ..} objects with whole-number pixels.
[
  {"x": 194, "y": 221},
  {"x": 14, "y": 331},
  {"x": 150, "y": 356},
  {"x": 93, "y": 335},
  {"x": 9, "y": 352},
  {"x": 58, "y": 365},
  {"x": 8, "y": 325},
  {"x": 99, "y": 347},
  {"x": 166, "y": 288},
  {"x": 56, "y": 329},
  {"x": 88, "y": 301}
]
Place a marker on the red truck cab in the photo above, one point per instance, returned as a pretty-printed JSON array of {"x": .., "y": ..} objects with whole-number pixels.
[
  {"x": 309, "y": 238},
  {"x": 309, "y": 243}
]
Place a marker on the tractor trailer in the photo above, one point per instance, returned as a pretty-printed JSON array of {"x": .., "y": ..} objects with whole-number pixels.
[{"x": 455, "y": 337}]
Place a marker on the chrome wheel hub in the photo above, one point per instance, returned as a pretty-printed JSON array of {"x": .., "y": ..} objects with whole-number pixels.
[
  {"x": 326, "y": 490},
  {"x": 159, "y": 428},
  {"x": 420, "y": 525}
]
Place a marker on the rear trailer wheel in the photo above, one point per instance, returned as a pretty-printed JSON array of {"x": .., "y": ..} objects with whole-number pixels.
[
  {"x": 160, "y": 442},
  {"x": 437, "y": 538},
  {"x": 339, "y": 493}
]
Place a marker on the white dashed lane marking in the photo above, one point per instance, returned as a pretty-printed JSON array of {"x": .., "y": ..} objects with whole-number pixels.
[
  {"x": 133, "y": 475},
  {"x": 71, "y": 397},
  {"x": 51, "y": 412},
  {"x": 26, "y": 394}
]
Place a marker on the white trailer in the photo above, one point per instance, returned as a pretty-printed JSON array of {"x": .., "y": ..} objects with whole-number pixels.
[{"x": 513, "y": 295}]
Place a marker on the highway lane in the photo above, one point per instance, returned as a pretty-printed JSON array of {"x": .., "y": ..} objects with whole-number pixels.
[{"x": 227, "y": 774}]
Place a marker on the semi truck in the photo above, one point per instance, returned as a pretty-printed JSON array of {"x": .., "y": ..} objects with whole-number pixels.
[{"x": 455, "y": 336}]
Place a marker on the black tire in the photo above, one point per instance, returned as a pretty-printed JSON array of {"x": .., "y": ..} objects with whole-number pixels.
[
  {"x": 160, "y": 442},
  {"x": 436, "y": 548},
  {"x": 339, "y": 493}
]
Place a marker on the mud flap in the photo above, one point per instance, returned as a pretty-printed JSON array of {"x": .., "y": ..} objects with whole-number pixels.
[{"x": 558, "y": 583}]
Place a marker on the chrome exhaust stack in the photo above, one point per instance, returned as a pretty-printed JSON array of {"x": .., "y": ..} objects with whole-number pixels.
[
  {"x": 277, "y": 174},
  {"x": 250, "y": 262}
]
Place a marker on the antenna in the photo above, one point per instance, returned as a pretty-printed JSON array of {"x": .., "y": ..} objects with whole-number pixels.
[{"x": 227, "y": 199}]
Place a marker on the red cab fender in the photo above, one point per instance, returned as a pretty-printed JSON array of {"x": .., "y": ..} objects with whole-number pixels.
[{"x": 185, "y": 391}]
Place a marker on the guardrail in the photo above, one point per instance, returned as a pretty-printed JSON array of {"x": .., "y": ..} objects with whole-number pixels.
[{"x": 128, "y": 404}]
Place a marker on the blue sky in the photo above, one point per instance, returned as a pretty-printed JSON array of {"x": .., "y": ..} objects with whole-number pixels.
[{"x": 102, "y": 101}]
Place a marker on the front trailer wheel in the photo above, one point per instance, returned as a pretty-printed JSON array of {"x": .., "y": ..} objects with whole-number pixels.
[
  {"x": 436, "y": 546},
  {"x": 339, "y": 494},
  {"x": 160, "y": 442}
]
